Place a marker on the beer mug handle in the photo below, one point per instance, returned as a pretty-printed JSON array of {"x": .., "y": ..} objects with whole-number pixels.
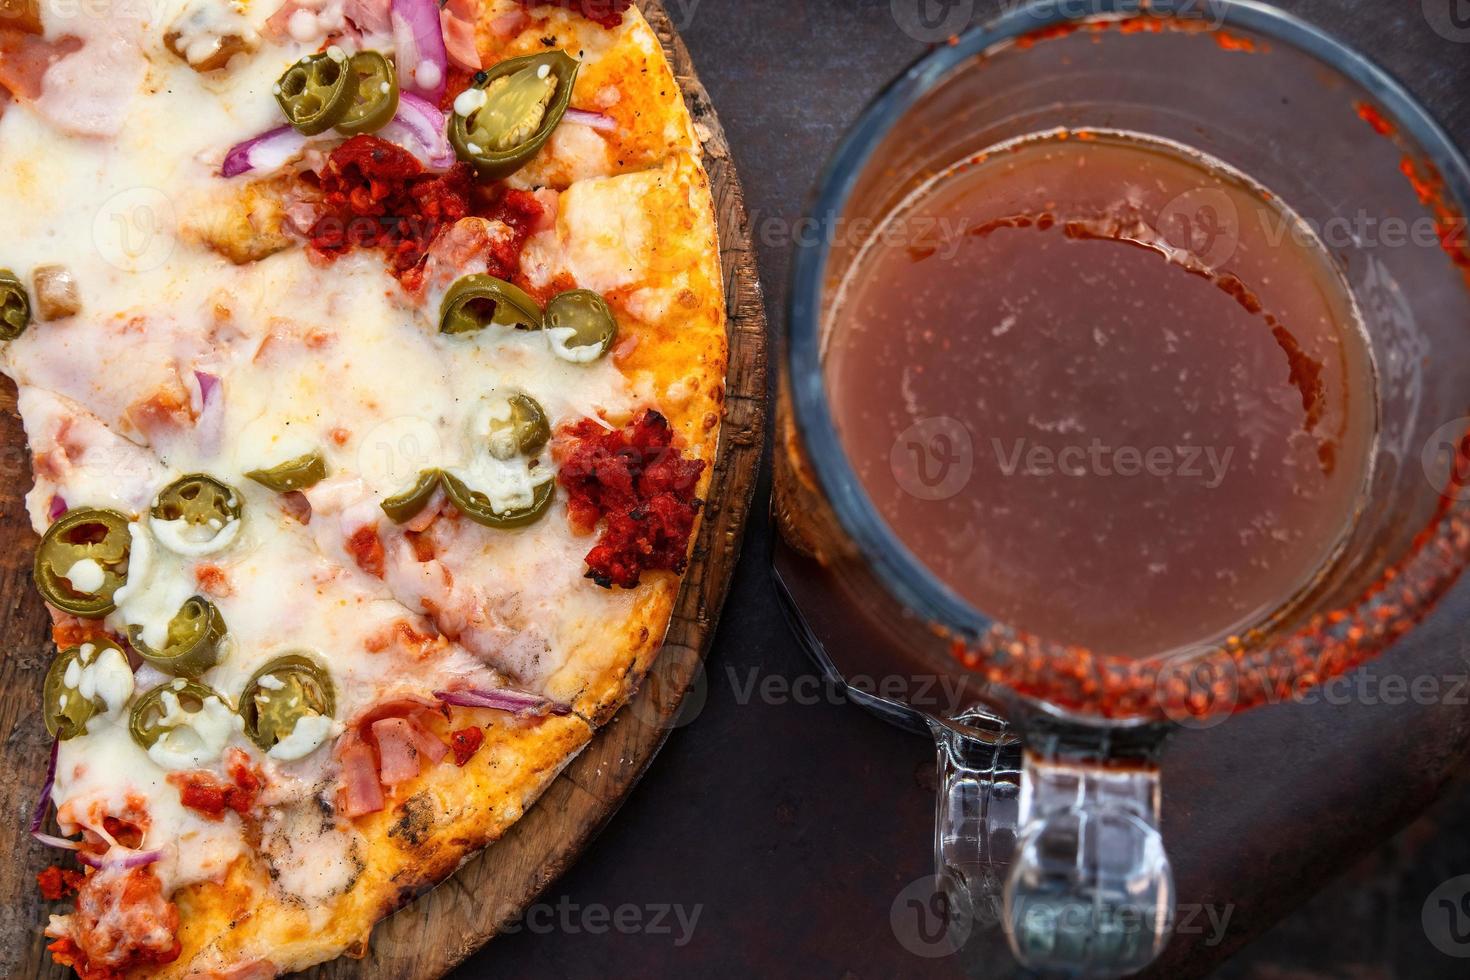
[
  {"x": 1091, "y": 891},
  {"x": 979, "y": 760}
]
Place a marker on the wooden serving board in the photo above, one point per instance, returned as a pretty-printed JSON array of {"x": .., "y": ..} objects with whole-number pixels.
[{"x": 438, "y": 930}]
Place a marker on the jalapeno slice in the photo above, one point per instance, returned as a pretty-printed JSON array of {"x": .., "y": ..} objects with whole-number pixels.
[
  {"x": 65, "y": 710},
  {"x": 15, "y": 306},
  {"x": 580, "y": 326},
  {"x": 83, "y": 560},
  {"x": 150, "y": 718},
  {"x": 510, "y": 111},
  {"x": 478, "y": 301},
  {"x": 478, "y": 508},
  {"x": 315, "y": 92},
  {"x": 517, "y": 428},
  {"x": 294, "y": 474},
  {"x": 374, "y": 94},
  {"x": 410, "y": 503},
  {"x": 196, "y": 515},
  {"x": 194, "y": 638},
  {"x": 282, "y": 693}
]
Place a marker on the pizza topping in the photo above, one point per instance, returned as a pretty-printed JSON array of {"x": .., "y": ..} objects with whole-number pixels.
[
  {"x": 580, "y": 326},
  {"x": 605, "y": 13},
  {"x": 15, "y": 306},
  {"x": 404, "y": 507},
  {"x": 94, "y": 546},
  {"x": 122, "y": 922},
  {"x": 57, "y": 295},
  {"x": 21, "y": 15},
  {"x": 374, "y": 86},
  {"x": 421, "y": 128},
  {"x": 208, "y": 33},
  {"x": 479, "y": 301},
  {"x": 515, "y": 426},
  {"x": 288, "y": 707},
  {"x": 362, "y": 793},
  {"x": 57, "y": 883},
  {"x": 515, "y": 496},
  {"x": 418, "y": 42},
  {"x": 182, "y": 724},
  {"x": 377, "y": 195},
  {"x": 83, "y": 681},
  {"x": 522, "y": 703},
  {"x": 267, "y": 152},
  {"x": 366, "y": 549},
  {"x": 194, "y": 637},
  {"x": 403, "y": 747},
  {"x": 196, "y": 515},
  {"x": 640, "y": 486},
  {"x": 208, "y": 794},
  {"x": 510, "y": 111},
  {"x": 315, "y": 92},
  {"x": 465, "y": 742},
  {"x": 295, "y": 474}
]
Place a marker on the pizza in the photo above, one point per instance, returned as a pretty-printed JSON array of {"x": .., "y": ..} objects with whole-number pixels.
[{"x": 371, "y": 359}]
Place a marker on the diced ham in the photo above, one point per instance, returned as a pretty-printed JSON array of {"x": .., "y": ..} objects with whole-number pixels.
[
  {"x": 510, "y": 23},
  {"x": 24, "y": 58},
  {"x": 457, "y": 19},
  {"x": 361, "y": 792},
  {"x": 398, "y": 753},
  {"x": 429, "y": 745}
]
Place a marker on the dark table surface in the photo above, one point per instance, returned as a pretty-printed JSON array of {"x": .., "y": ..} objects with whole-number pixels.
[{"x": 777, "y": 827}]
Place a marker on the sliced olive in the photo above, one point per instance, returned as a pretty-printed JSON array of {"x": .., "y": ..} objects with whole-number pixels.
[
  {"x": 83, "y": 560},
  {"x": 150, "y": 719},
  {"x": 478, "y": 508},
  {"x": 15, "y": 306},
  {"x": 193, "y": 644},
  {"x": 294, "y": 474},
  {"x": 580, "y": 326},
  {"x": 66, "y": 711},
  {"x": 521, "y": 431},
  {"x": 280, "y": 694},
  {"x": 511, "y": 110},
  {"x": 315, "y": 92},
  {"x": 480, "y": 300},
  {"x": 374, "y": 88},
  {"x": 410, "y": 503},
  {"x": 209, "y": 509}
]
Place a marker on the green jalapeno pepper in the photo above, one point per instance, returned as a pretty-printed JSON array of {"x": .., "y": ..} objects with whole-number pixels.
[
  {"x": 294, "y": 474},
  {"x": 15, "y": 306},
  {"x": 210, "y": 510},
  {"x": 580, "y": 326},
  {"x": 83, "y": 560},
  {"x": 478, "y": 508},
  {"x": 410, "y": 503},
  {"x": 523, "y": 432},
  {"x": 194, "y": 637},
  {"x": 374, "y": 89},
  {"x": 65, "y": 710},
  {"x": 520, "y": 103},
  {"x": 477, "y": 301},
  {"x": 315, "y": 92},
  {"x": 280, "y": 694},
  {"x": 148, "y": 723}
]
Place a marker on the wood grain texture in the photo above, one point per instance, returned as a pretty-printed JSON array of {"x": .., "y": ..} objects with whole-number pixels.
[{"x": 441, "y": 928}]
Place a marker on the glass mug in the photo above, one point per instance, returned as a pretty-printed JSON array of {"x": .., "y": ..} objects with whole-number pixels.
[{"x": 1048, "y": 811}]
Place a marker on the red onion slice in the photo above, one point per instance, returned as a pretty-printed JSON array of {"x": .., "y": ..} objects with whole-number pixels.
[
  {"x": 267, "y": 152},
  {"x": 38, "y": 816},
  {"x": 419, "y": 127},
  {"x": 207, "y": 384},
  {"x": 418, "y": 44},
  {"x": 51, "y": 840},
  {"x": 504, "y": 699},
  {"x": 598, "y": 121},
  {"x": 128, "y": 858},
  {"x": 57, "y": 507}
]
